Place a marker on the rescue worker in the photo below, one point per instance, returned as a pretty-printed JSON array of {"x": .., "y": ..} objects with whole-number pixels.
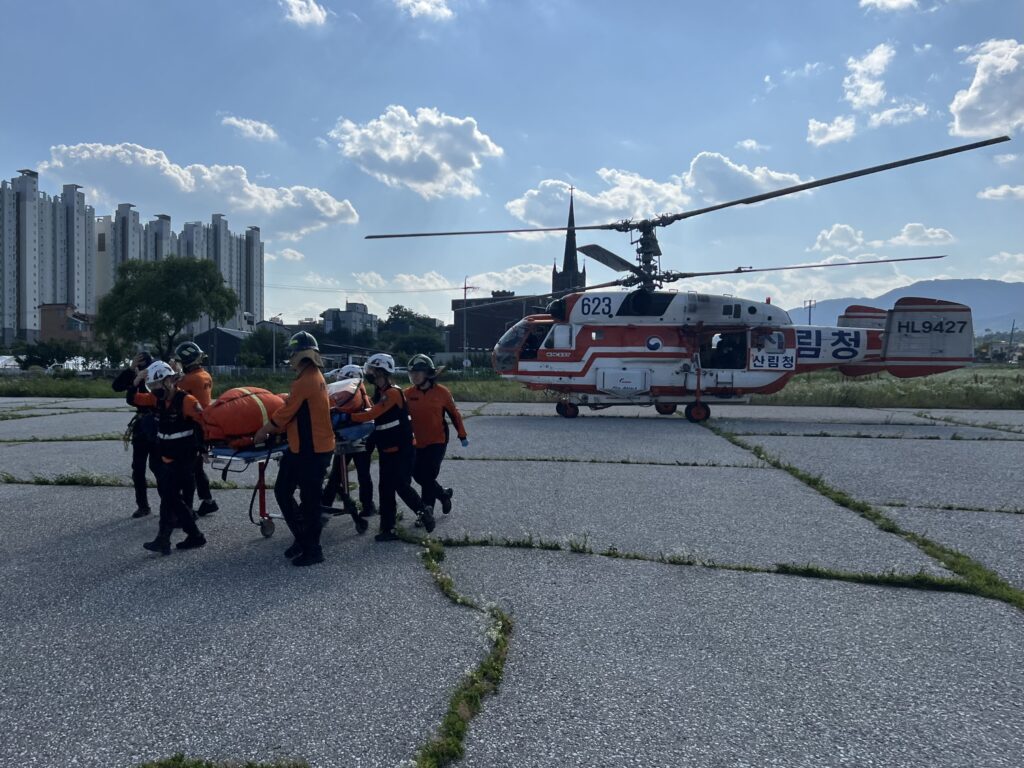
[
  {"x": 336, "y": 480},
  {"x": 392, "y": 436},
  {"x": 307, "y": 419},
  {"x": 142, "y": 433},
  {"x": 198, "y": 383},
  {"x": 178, "y": 416},
  {"x": 429, "y": 403}
]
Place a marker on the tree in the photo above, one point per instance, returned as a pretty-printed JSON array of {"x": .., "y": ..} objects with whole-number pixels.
[
  {"x": 45, "y": 353},
  {"x": 259, "y": 347},
  {"x": 154, "y": 301},
  {"x": 406, "y": 332}
]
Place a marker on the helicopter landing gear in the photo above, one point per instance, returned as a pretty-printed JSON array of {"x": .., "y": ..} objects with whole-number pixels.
[
  {"x": 665, "y": 409},
  {"x": 567, "y": 410},
  {"x": 697, "y": 412}
]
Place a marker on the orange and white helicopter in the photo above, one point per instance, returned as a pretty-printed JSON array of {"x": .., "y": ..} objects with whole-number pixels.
[{"x": 668, "y": 348}]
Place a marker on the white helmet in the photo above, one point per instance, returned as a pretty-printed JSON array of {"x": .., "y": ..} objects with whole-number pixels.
[
  {"x": 380, "y": 361},
  {"x": 157, "y": 372},
  {"x": 350, "y": 371}
]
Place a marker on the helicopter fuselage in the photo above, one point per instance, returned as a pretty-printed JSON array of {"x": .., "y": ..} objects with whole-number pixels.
[{"x": 664, "y": 348}]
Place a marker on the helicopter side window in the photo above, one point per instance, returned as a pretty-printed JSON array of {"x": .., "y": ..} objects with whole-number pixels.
[{"x": 560, "y": 337}]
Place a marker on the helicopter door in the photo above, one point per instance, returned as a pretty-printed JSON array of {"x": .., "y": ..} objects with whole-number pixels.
[{"x": 560, "y": 337}]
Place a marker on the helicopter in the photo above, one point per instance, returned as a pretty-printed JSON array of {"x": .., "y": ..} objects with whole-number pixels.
[{"x": 646, "y": 346}]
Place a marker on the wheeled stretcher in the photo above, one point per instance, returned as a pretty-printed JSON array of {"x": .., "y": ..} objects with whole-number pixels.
[{"x": 227, "y": 459}]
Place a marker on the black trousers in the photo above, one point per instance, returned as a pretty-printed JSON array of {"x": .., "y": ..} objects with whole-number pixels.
[
  {"x": 426, "y": 470},
  {"x": 172, "y": 483},
  {"x": 305, "y": 472},
  {"x": 336, "y": 479},
  {"x": 143, "y": 454},
  {"x": 200, "y": 483},
  {"x": 396, "y": 478}
]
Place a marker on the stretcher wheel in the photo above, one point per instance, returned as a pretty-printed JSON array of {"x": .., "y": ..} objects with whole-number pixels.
[
  {"x": 361, "y": 523},
  {"x": 665, "y": 409},
  {"x": 571, "y": 411},
  {"x": 267, "y": 527}
]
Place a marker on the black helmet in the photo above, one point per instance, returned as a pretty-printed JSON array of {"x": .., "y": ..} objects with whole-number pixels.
[
  {"x": 421, "y": 363},
  {"x": 189, "y": 353},
  {"x": 301, "y": 341}
]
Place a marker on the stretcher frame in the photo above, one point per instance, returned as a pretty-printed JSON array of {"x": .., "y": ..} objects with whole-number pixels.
[{"x": 227, "y": 459}]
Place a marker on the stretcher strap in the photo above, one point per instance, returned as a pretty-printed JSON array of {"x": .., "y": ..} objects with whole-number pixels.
[{"x": 263, "y": 408}]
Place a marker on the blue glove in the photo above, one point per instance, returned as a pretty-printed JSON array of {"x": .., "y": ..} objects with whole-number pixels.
[{"x": 465, "y": 442}]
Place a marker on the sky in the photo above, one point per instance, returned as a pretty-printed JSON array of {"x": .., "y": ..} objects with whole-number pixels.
[{"x": 322, "y": 121}]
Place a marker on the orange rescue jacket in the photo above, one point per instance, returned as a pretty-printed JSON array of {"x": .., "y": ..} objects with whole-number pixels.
[
  {"x": 427, "y": 409},
  {"x": 199, "y": 384},
  {"x": 307, "y": 414}
]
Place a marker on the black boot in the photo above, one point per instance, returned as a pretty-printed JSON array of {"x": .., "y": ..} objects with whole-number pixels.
[
  {"x": 369, "y": 509},
  {"x": 426, "y": 516},
  {"x": 446, "y": 501},
  {"x": 141, "y": 512},
  {"x": 293, "y": 551},
  {"x": 312, "y": 557},
  {"x": 386, "y": 536},
  {"x": 192, "y": 541},
  {"x": 161, "y": 544},
  {"x": 206, "y": 507}
]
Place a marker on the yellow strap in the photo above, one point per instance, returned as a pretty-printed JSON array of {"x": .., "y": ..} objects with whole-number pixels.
[{"x": 263, "y": 408}]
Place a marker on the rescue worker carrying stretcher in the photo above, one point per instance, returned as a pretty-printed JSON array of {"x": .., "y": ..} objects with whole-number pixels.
[
  {"x": 306, "y": 416},
  {"x": 336, "y": 483},
  {"x": 429, "y": 402},
  {"x": 198, "y": 383},
  {"x": 142, "y": 433},
  {"x": 392, "y": 436},
  {"x": 178, "y": 418}
]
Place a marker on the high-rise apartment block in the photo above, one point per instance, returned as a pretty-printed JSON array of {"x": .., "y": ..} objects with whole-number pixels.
[{"x": 56, "y": 251}]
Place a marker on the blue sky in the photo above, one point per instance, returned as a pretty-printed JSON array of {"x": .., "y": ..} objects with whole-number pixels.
[{"x": 323, "y": 121}]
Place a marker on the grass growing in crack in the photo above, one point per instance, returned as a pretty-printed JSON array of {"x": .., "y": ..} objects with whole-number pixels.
[
  {"x": 580, "y": 546},
  {"x": 980, "y": 580},
  {"x": 466, "y": 701},
  {"x": 180, "y": 761},
  {"x": 65, "y": 438}
]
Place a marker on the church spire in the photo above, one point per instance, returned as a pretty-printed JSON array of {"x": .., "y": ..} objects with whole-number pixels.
[{"x": 569, "y": 266}]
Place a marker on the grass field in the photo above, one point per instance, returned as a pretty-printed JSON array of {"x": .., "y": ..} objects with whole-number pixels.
[{"x": 982, "y": 387}]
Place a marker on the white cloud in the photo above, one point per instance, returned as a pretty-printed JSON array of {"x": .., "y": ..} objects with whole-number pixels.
[
  {"x": 290, "y": 254},
  {"x": 840, "y": 237},
  {"x": 269, "y": 256},
  {"x": 922, "y": 48},
  {"x": 628, "y": 195},
  {"x": 751, "y": 145},
  {"x": 370, "y": 279},
  {"x": 1003, "y": 192},
  {"x": 514, "y": 277},
  {"x": 809, "y": 68},
  {"x": 888, "y": 5},
  {"x": 717, "y": 178},
  {"x": 251, "y": 129},
  {"x": 863, "y": 86},
  {"x": 842, "y": 128},
  {"x": 1004, "y": 257},
  {"x": 994, "y": 102},
  {"x": 904, "y": 113},
  {"x": 1006, "y": 159},
  {"x": 147, "y": 177},
  {"x": 769, "y": 84},
  {"x": 437, "y": 10},
  {"x": 433, "y": 154},
  {"x": 919, "y": 234},
  {"x": 304, "y": 13},
  {"x": 320, "y": 281}
]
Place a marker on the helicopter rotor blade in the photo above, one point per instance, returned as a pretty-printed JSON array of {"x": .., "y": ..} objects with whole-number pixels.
[
  {"x": 553, "y": 295},
  {"x": 672, "y": 276},
  {"x": 492, "y": 231},
  {"x": 664, "y": 221},
  {"x": 608, "y": 259}
]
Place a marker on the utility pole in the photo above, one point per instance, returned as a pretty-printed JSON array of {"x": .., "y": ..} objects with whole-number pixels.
[{"x": 809, "y": 304}]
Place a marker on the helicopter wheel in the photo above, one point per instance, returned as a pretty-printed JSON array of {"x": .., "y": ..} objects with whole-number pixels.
[
  {"x": 665, "y": 409},
  {"x": 560, "y": 408},
  {"x": 571, "y": 411},
  {"x": 697, "y": 412}
]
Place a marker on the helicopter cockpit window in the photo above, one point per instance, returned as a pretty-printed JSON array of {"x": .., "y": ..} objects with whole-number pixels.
[
  {"x": 770, "y": 342},
  {"x": 507, "y": 347},
  {"x": 533, "y": 342}
]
